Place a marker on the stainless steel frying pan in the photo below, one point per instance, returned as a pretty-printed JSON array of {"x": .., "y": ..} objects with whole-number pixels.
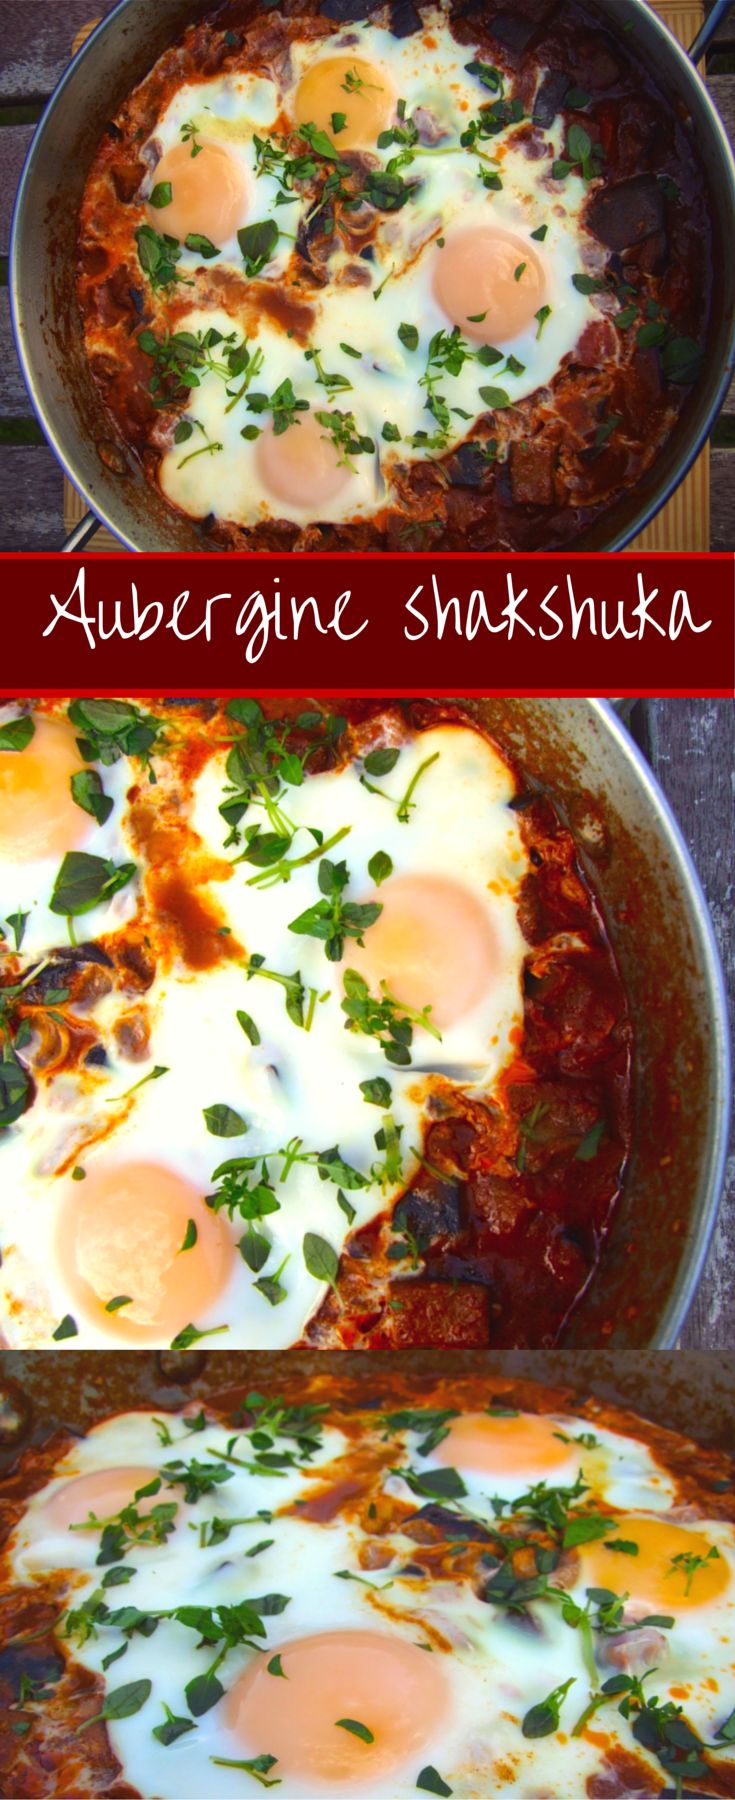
[{"x": 43, "y": 254}]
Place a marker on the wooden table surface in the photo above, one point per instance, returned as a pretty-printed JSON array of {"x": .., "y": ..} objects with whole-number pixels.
[{"x": 691, "y": 743}]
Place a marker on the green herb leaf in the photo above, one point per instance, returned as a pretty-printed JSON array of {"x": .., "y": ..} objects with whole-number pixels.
[
  {"x": 223, "y": 1122},
  {"x": 190, "y": 1237},
  {"x": 495, "y": 398},
  {"x": 201, "y": 246},
  {"x": 185, "y": 1339},
  {"x": 17, "y": 922},
  {"x": 122, "y": 1703},
  {"x": 274, "y": 1667},
  {"x": 377, "y": 1092},
  {"x": 115, "y": 1305},
  {"x": 380, "y": 762},
  {"x": 321, "y": 1260},
  {"x": 249, "y": 1027},
  {"x": 257, "y": 244},
  {"x": 681, "y": 361},
  {"x": 67, "y": 1329},
  {"x": 88, "y": 792},
  {"x": 434, "y": 1484},
  {"x": 380, "y": 867},
  {"x": 162, "y": 194},
  {"x": 173, "y": 1728},
  {"x": 409, "y": 336},
  {"x": 587, "y": 1150},
  {"x": 544, "y": 1718},
  {"x": 430, "y": 1782},
  {"x": 258, "y": 1767},
  {"x": 358, "y": 1730},
  {"x": 254, "y": 1249},
  {"x": 17, "y": 733},
  {"x": 202, "y": 1693},
  {"x": 84, "y": 882},
  {"x": 589, "y": 284}
]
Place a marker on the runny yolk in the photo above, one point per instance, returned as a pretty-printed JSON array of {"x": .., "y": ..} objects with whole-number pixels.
[
  {"x": 385, "y": 1683},
  {"x": 517, "y": 1445},
  {"x": 433, "y": 945},
  {"x": 653, "y": 1575},
  {"x": 489, "y": 282},
  {"x": 210, "y": 194},
  {"x": 38, "y": 816},
  {"x": 347, "y": 85},
  {"x": 104, "y": 1493},
  {"x": 120, "y": 1235},
  {"x": 301, "y": 465}
]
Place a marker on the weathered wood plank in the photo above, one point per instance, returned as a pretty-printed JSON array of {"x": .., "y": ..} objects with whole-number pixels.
[
  {"x": 31, "y": 498},
  {"x": 15, "y": 141},
  {"x": 722, "y": 500},
  {"x": 722, "y": 89},
  {"x": 14, "y": 401},
  {"x": 37, "y": 38},
  {"x": 692, "y": 748}
]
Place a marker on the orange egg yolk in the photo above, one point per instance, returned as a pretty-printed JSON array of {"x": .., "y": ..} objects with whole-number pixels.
[
  {"x": 359, "y": 90},
  {"x": 120, "y": 1235},
  {"x": 511, "y": 1446},
  {"x": 103, "y": 1493},
  {"x": 385, "y": 1683},
  {"x": 433, "y": 945},
  {"x": 301, "y": 465},
  {"x": 653, "y": 1575},
  {"x": 210, "y": 194},
  {"x": 489, "y": 283},
  {"x": 38, "y": 816}
]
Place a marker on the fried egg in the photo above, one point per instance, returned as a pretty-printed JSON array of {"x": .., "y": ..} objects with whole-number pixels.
[
  {"x": 171, "y": 1060},
  {"x": 350, "y": 1575},
  {"x": 465, "y": 298}
]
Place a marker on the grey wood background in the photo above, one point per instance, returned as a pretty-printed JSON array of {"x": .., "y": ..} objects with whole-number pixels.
[{"x": 36, "y": 38}]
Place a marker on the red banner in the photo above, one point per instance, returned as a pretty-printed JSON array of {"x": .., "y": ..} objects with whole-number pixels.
[{"x": 561, "y": 624}]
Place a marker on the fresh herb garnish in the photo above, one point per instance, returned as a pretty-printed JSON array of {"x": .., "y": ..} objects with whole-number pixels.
[
  {"x": 385, "y": 1019},
  {"x": 333, "y": 919},
  {"x": 544, "y": 1718},
  {"x": 16, "y": 734},
  {"x": 357, "y": 1729},
  {"x": 122, "y": 1703},
  {"x": 321, "y": 1260},
  {"x": 222, "y": 1121}
]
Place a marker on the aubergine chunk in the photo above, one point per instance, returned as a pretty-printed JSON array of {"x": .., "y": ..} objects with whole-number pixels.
[
  {"x": 628, "y": 212},
  {"x": 550, "y": 97},
  {"x": 532, "y": 468},
  {"x": 346, "y": 12},
  {"x": 431, "y": 1210},
  {"x": 446, "y": 1524},
  {"x": 404, "y": 19}
]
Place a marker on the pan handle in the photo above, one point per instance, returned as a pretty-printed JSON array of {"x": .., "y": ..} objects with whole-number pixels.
[
  {"x": 715, "y": 18},
  {"x": 81, "y": 534}
]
